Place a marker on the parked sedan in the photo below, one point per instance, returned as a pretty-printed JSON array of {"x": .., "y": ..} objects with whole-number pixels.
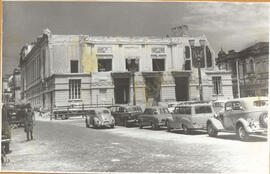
[
  {"x": 99, "y": 117},
  {"x": 125, "y": 115},
  {"x": 154, "y": 117},
  {"x": 245, "y": 116}
]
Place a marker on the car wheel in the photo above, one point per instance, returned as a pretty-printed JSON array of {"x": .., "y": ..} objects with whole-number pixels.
[
  {"x": 112, "y": 126},
  {"x": 185, "y": 129},
  {"x": 211, "y": 130},
  {"x": 241, "y": 133},
  {"x": 86, "y": 123},
  {"x": 153, "y": 126},
  {"x": 168, "y": 126},
  {"x": 94, "y": 125},
  {"x": 126, "y": 123},
  {"x": 140, "y": 125}
]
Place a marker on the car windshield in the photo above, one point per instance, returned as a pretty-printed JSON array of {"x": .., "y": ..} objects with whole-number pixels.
[
  {"x": 203, "y": 109},
  {"x": 219, "y": 104},
  {"x": 103, "y": 112},
  {"x": 134, "y": 109},
  {"x": 260, "y": 103}
]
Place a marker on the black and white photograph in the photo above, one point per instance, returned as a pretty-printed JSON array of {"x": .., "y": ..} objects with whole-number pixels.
[{"x": 135, "y": 87}]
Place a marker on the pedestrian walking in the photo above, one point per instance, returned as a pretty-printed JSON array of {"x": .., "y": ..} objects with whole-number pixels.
[{"x": 29, "y": 122}]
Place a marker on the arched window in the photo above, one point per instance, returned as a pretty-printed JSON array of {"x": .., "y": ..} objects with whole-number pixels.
[
  {"x": 208, "y": 57},
  {"x": 251, "y": 66}
]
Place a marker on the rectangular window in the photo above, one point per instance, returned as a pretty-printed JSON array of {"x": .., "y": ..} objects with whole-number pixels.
[
  {"x": 158, "y": 64},
  {"x": 74, "y": 88},
  {"x": 74, "y": 68},
  {"x": 132, "y": 64},
  {"x": 187, "y": 52},
  {"x": 104, "y": 65},
  {"x": 203, "y": 109},
  {"x": 217, "y": 85},
  {"x": 187, "y": 65}
]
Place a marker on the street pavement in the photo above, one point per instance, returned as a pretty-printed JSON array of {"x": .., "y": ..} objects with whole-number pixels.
[{"x": 67, "y": 145}]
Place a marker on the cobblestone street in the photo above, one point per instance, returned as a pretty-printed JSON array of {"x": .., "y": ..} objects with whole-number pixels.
[{"x": 66, "y": 145}]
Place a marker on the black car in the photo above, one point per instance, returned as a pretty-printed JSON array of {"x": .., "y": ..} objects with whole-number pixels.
[{"x": 125, "y": 115}]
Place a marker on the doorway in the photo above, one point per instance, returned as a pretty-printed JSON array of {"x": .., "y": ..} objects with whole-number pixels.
[
  {"x": 121, "y": 90},
  {"x": 181, "y": 88},
  {"x": 152, "y": 89}
]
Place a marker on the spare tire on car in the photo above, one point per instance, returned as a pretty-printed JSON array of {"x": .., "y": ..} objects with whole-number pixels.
[{"x": 263, "y": 119}]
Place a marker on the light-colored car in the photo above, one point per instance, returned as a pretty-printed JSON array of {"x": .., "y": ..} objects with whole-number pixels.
[
  {"x": 99, "y": 117},
  {"x": 154, "y": 116},
  {"x": 243, "y": 116},
  {"x": 191, "y": 116}
]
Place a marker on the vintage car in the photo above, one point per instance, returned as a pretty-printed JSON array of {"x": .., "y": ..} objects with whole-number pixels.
[
  {"x": 190, "y": 116},
  {"x": 99, "y": 117},
  {"x": 125, "y": 115},
  {"x": 219, "y": 106},
  {"x": 154, "y": 116},
  {"x": 245, "y": 116}
]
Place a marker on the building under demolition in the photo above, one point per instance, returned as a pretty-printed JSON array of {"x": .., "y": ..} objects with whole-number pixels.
[{"x": 61, "y": 70}]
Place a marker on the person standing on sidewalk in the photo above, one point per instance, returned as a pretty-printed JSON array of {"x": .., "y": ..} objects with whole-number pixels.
[{"x": 29, "y": 122}]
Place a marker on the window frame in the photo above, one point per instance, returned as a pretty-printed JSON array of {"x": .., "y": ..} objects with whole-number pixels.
[
  {"x": 105, "y": 59},
  {"x": 160, "y": 59},
  {"x": 77, "y": 67},
  {"x": 75, "y": 89},
  {"x": 215, "y": 82}
]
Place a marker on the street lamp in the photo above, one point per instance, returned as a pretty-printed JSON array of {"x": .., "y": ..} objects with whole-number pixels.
[
  {"x": 198, "y": 55},
  {"x": 133, "y": 69}
]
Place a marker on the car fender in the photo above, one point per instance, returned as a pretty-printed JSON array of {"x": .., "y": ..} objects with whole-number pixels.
[
  {"x": 245, "y": 124},
  {"x": 170, "y": 120},
  {"x": 217, "y": 124},
  {"x": 186, "y": 122}
]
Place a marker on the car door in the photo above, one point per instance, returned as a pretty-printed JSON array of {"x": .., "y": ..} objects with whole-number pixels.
[
  {"x": 237, "y": 112},
  {"x": 122, "y": 114},
  {"x": 185, "y": 116},
  {"x": 201, "y": 115},
  {"x": 145, "y": 117},
  {"x": 227, "y": 116}
]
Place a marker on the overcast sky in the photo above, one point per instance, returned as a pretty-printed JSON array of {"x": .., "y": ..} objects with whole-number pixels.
[{"x": 228, "y": 25}]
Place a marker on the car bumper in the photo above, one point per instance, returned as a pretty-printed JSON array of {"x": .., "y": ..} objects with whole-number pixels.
[
  {"x": 105, "y": 124},
  {"x": 132, "y": 121},
  {"x": 259, "y": 132}
]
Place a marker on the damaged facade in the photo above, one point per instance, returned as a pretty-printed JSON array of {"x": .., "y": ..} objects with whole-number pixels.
[{"x": 61, "y": 70}]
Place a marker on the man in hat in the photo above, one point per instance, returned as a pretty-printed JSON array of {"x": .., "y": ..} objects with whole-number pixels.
[{"x": 29, "y": 122}]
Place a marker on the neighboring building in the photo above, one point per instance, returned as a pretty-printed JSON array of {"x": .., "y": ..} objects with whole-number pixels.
[
  {"x": 15, "y": 85},
  {"x": 252, "y": 67},
  {"x": 59, "y": 70},
  {"x": 6, "y": 92}
]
